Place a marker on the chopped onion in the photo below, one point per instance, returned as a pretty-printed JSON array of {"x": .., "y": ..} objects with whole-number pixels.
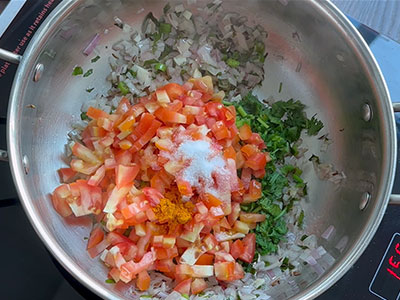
[{"x": 92, "y": 44}]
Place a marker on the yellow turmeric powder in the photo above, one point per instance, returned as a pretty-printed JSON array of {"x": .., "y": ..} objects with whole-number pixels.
[{"x": 173, "y": 211}]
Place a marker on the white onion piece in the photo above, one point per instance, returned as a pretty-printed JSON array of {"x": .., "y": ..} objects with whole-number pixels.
[
  {"x": 92, "y": 44},
  {"x": 328, "y": 233}
]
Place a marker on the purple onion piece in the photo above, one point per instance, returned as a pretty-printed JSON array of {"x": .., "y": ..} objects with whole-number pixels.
[{"x": 92, "y": 44}]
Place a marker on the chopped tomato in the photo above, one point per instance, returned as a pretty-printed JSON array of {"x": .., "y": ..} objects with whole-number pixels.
[
  {"x": 256, "y": 161},
  {"x": 146, "y": 137},
  {"x": 125, "y": 174},
  {"x": 198, "y": 285},
  {"x": 174, "y": 90},
  {"x": 220, "y": 130},
  {"x": 205, "y": 259},
  {"x": 170, "y": 116},
  {"x": 255, "y": 192},
  {"x": 249, "y": 243},
  {"x": 251, "y": 218},
  {"x": 96, "y": 113},
  {"x": 143, "y": 281},
  {"x": 184, "y": 287},
  {"x": 237, "y": 249},
  {"x": 245, "y": 132},
  {"x": 66, "y": 174},
  {"x": 152, "y": 195},
  {"x": 96, "y": 236}
]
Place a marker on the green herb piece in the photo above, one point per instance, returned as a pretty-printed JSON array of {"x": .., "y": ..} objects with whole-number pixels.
[
  {"x": 133, "y": 73},
  {"x": 110, "y": 280},
  {"x": 88, "y": 73},
  {"x": 89, "y": 90},
  {"x": 314, "y": 126},
  {"x": 85, "y": 238},
  {"x": 150, "y": 62},
  {"x": 300, "y": 219},
  {"x": 233, "y": 63},
  {"x": 84, "y": 116},
  {"x": 186, "y": 296},
  {"x": 165, "y": 28},
  {"x": 94, "y": 59},
  {"x": 123, "y": 88},
  {"x": 160, "y": 67},
  {"x": 280, "y": 87},
  {"x": 146, "y": 296},
  {"x": 167, "y": 50},
  {"x": 77, "y": 71},
  {"x": 241, "y": 111}
]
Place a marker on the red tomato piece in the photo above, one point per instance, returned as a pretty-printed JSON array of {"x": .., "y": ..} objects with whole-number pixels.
[
  {"x": 143, "y": 281},
  {"x": 256, "y": 161},
  {"x": 184, "y": 287},
  {"x": 224, "y": 270},
  {"x": 84, "y": 153},
  {"x": 245, "y": 132},
  {"x": 96, "y": 113},
  {"x": 66, "y": 174},
  {"x": 184, "y": 187},
  {"x": 251, "y": 218},
  {"x": 169, "y": 116},
  {"x": 249, "y": 150},
  {"x": 237, "y": 249},
  {"x": 59, "y": 199},
  {"x": 205, "y": 259},
  {"x": 95, "y": 179},
  {"x": 145, "y": 122},
  {"x": 152, "y": 195},
  {"x": 255, "y": 192},
  {"x": 130, "y": 269},
  {"x": 198, "y": 285},
  {"x": 125, "y": 174},
  {"x": 96, "y": 236},
  {"x": 220, "y": 131},
  {"x": 249, "y": 243},
  {"x": 146, "y": 137},
  {"x": 174, "y": 90}
]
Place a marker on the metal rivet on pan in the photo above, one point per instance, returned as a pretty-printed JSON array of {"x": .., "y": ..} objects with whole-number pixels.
[
  {"x": 366, "y": 112},
  {"x": 364, "y": 200},
  {"x": 38, "y": 72},
  {"x": 25, "y": 162}
]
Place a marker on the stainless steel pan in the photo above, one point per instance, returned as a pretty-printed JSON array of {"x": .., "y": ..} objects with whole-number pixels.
[{"x": 339, "y": 79}]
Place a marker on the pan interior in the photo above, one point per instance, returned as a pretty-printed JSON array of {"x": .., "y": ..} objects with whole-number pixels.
[{"x": 336, "y": 79}]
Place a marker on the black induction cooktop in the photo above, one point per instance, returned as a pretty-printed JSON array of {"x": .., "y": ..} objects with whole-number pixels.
[{"x": 28, "y": 271}]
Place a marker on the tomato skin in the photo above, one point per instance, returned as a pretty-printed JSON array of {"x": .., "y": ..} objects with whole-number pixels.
[
  {"x": 96, "y": 113},
  {"x": 184, "y": 286},
  {"x": 198, "y": 285},
  {"x": 255, "y": 192},
  {"x": 143, "y": 281},
  {"x": 59, "y": 199},
  {"x": 125, "y": 174},
  {"x": 251, "y": 218},
  {"x": 237, "y": 249},
  {"x": 249, "y": 243},
  {"x": 146, "y": 137},
  {"x": 256, "y": 162},
  {"x": 245, "y": 132},
  {"x": 170, "y": 116},
  {"x": 220, "y": 131},
  {"x": 96, "y": 236},
  {"x": 66, "y": 174},
  {"x": 205, "y": 259},
  {"x": 174, "y": 90},
  {"x": 152, "y": 195}
]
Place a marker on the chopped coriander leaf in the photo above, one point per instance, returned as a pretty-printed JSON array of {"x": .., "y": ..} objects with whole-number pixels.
[
  {"x": 89, "y": 90},
  {"x": 88, "y": 73},
  {"x": 150, "y": 62},
  {"x": 77, "y": 71},
  {"x": 146, "y": 296},
  {"x": 186, "y": 296},
  {"x": 110, "y": 280},
  {"x": 314, "y": 126},
  {"x": 123, "y": 88},
  {"x": 133, "y": 73},
  {"x": 233, "y": 63},
  {"x": 160, "y": 67},
  {"x": 156, "y": 37},
  {"x": 165, "y": 28},
  {"x": 94, "y": 59},
  {"x": 300, "y": 219},
  {"x": 127, "y": 232},
  {"x": 280, "y": 87},
  {"x": 85, "y": 238},
  {"x": 84, "y": 116}
]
